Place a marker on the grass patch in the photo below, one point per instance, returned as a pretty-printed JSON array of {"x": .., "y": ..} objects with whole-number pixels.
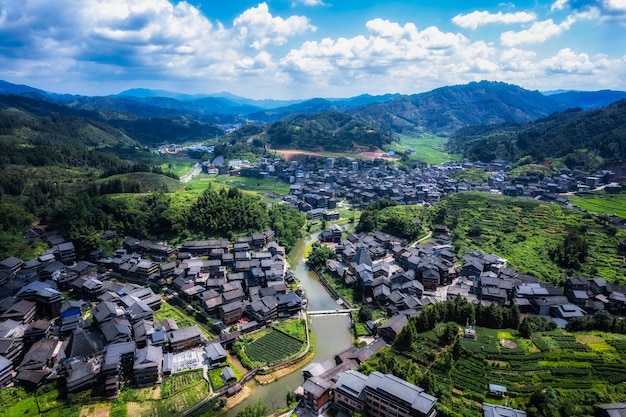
[
  {"x": 429, "y": 148},
  {"x": 505, "y": 335},
  {"x": 293, "y": 327},
  {"x": 215, "y": 375},
  {"x": 168, "y": 311}
]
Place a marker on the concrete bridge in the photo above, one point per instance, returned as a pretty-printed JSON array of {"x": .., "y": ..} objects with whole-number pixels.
[{"x": 337, "y": 311}]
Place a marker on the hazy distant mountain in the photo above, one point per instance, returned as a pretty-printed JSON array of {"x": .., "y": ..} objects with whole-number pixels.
[
  {"x": 18, "y": 89},
  {"x": 448, "y": 109},
  {"x": 588, "y": 99},
  {"x": 228, "y": 98},
  {"x": 315, "y": 105},
  {"x": 319, "y": 105}
]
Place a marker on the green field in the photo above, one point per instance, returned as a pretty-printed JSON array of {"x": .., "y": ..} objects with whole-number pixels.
[
  {"x": 601, "y": 203},
  {"x": 272, "y": 348},
  {"x": 428, "y": 148}
]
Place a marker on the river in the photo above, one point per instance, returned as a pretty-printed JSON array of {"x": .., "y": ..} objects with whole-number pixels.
[{"x": 332, "y": 335}]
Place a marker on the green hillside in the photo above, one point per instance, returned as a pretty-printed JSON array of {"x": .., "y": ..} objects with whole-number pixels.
[
  {"x": 545, "y": 240},
  {"x": 585, "y": 139},
  {"x": 546, "y": 372},
  {"x": 329, "y": 131},
  {"x": 447, "y": 109}
]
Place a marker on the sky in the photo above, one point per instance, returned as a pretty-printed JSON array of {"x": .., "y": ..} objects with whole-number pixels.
[{"x": 298, "y": 49}]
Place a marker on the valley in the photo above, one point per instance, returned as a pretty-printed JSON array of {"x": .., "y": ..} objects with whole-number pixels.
[{"x": 476, "y": 233}]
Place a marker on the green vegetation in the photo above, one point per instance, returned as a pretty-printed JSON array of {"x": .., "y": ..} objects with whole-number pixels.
[
  {"x": 398, "y": 220},
  {"x": 602, "y": 203},
  {"x": 584, "y": 139},
  {"x": 471, "y": 175},
  {"x": 181, "y": 381},
  {"x": 267, "y": 348},
  {"x": 135, "y": 182},
  {"x": 167, "y": 311},
  {"x": 582, "y": 369},
  {"x": 173, "y": 217},
  {"x": 331, "y": 131},
  {"x": 293, "y": 327},
  {"x": 215, "y": 375},
  {"x": 318, "y": 256},
  {"x": 258, "y": 185},
  {"x": 536, "y": 238},
  {"x": 254, "y": 410},
  {"x": 428, "y": 148},
  {"x": 13, "y": 222}
]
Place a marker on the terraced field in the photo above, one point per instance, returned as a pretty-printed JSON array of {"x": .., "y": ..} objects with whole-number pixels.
[{"x": 585, "y": 367}]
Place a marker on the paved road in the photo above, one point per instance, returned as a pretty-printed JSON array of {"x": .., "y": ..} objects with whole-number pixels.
[{"x": 196, "y": 170}]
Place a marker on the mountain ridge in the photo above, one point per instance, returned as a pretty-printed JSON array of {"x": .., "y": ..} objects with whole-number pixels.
[{"x": 441, "y": 111}]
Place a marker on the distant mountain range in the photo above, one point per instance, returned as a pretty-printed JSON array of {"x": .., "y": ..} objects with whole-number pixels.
[{"x": 441, "y": 111}]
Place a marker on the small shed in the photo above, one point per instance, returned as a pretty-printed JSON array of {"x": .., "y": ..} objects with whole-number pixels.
[
  {"x": 228, "y": 376},
  {"x": 497, "y": 390}
]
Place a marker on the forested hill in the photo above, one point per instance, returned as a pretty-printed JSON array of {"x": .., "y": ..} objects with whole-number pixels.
[
  {"x": 330, "y": 131},
  {"x": 35, "y": 132},
  {"x": 448, "y": 109},
  {"x": 577, "y": 136},
  {"x": 102, "y": 127}
]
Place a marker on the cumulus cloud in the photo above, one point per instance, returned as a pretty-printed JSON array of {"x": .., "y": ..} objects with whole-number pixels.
[
  {"x": 568, "y": 62},
  {"x": 171, "y": 44},
  {"x": 540, "y": 32},
  {"x": 475, "y": 19},
  {"x": 258, "y": 24},
  {"x": 390, "y": 51}
]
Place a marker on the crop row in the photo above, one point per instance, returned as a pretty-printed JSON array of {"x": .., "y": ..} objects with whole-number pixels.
[{"x": 272, "y": 348}]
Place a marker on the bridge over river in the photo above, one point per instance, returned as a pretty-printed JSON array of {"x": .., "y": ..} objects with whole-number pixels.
[{"x": 335, "y": 312}]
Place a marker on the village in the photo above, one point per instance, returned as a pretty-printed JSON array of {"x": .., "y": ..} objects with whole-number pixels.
[{"x": 92, "y": 322}]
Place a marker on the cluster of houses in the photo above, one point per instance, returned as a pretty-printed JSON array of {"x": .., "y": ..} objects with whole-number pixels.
[
  {"x": 318, "y": 184},
  {"x": 62, "y": 319},
  {"x": 403, "y": 279}
]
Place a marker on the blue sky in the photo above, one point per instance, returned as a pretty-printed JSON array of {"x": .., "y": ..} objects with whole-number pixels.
[{"x": 294, "y": 49}]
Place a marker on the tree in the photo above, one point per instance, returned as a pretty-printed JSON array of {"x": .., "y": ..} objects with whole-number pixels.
[
  {"x": 291, "y": 396},
  {"x": 572, "y": 252},
  {"x": 365, "y": 313},
  {"x": 318, "y": 256},
  {"x": 255, "y": 410}
]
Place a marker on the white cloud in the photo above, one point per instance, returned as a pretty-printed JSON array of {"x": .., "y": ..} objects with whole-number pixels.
[
  {"x": 569, "y": 62},
  {"x": 475, "y": 19},
  {"x": 259, "y": 26},
  {"x": 309, "y": 2},
  {"x": 618, "y": 6},
  {"x": 403, "y": 54},
  {"x": 540, "y": 32},
  {"x": 559, "y": 5},
  {"x": 75, "y": 46}
]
